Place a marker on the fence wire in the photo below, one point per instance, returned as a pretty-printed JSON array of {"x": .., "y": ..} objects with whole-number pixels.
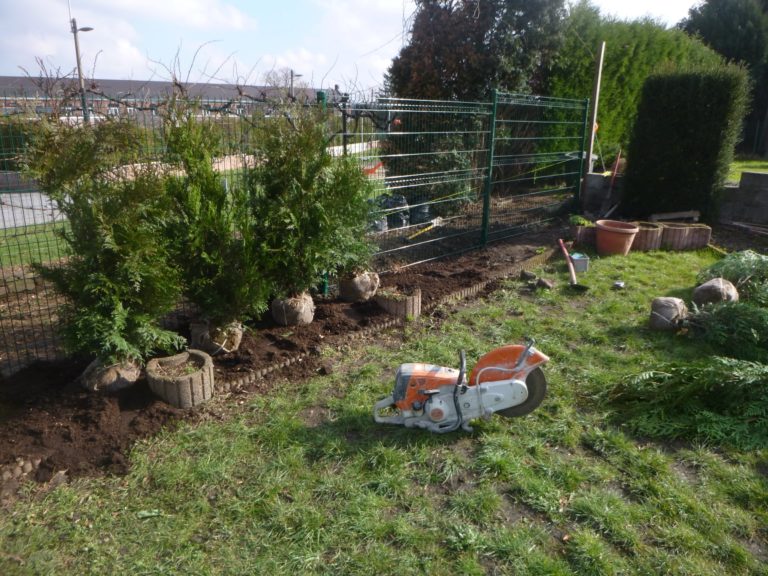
[{"x": 449, "y": 177}]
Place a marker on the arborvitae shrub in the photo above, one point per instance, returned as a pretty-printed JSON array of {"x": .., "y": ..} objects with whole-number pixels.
[{"x": 687, "y": 125}]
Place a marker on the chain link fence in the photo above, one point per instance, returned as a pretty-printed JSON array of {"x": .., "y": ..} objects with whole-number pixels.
[{"x": 449, "y": 177}]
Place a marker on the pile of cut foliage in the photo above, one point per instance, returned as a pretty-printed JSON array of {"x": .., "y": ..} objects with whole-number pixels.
[{"x": 718, "y": 400}]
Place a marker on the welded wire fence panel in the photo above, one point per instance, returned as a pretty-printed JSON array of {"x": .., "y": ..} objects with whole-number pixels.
[
  {"x": 537, "y": 163},
  {"x": 28, "y": 234},
  {"x": 437, "y": 190},
  {"x": 428, "y": 159}
]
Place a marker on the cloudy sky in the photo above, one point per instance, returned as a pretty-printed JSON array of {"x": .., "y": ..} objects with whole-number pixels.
[{"x": 328, "y": 42}]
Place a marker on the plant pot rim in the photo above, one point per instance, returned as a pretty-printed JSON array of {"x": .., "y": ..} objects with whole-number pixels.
[
  {"x": 198, "y": 355},
  {"x": 617, "y": 226}
]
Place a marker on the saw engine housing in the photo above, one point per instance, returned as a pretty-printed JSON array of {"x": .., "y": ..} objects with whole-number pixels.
[{"x": 507, "y": 380}]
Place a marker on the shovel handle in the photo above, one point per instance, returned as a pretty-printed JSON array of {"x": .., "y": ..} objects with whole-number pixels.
[{"x": 568, "y": 261}]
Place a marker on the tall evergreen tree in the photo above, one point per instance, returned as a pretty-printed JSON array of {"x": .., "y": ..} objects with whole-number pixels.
[
  {"x": 634, "y": 50},
  {"x": 738, "y": 30},
  {"x": 461, "y": 49}
]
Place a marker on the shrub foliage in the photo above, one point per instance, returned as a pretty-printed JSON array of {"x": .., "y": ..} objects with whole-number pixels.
[
  {"x": 215, "y": 241},
  {"x": 634, "y": 50},
  {"x": 312, "y": 208},
  {"x": 747, "y": 270},
  {"x": 735, "y": 329},
  {"x": 717, "y": 401},
  {"x": 682, "y": 144},
  {"x": 117, "y": 280}
]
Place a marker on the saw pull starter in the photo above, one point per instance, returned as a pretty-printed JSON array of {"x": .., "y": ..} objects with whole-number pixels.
[{"x": 508, "y": 381}]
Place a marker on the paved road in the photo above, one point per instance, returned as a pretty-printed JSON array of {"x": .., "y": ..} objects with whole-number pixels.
[{"x": 26, "y": 209}]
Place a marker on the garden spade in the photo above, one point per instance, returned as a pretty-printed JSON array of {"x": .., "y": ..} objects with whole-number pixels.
[{"x": 571, "y": 271}]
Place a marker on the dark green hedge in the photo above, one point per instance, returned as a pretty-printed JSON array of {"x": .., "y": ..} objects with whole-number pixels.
[{"x": 687, "y": 125}]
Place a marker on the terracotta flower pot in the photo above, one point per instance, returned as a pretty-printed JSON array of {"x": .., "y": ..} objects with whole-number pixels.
[
  {"x": 648, "y": 236},
  {"x": 615, "y": 237},
  {"x": 183, "y": 380}
]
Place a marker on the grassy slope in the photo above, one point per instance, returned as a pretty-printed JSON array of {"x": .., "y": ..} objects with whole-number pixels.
[{"x": 303, "y": 482}]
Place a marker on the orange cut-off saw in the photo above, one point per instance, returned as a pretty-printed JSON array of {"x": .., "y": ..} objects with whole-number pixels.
[{"x": 508, "y": 381}]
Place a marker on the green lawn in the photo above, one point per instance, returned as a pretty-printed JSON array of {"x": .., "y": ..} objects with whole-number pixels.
[
  {"x": 301, "y": 481},
  {"x": 27, "y": 244},
  {"x": 739, "y": 166}
]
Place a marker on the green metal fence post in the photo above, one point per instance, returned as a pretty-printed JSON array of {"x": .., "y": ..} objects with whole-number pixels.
[
  {"x": 584, "y": 134},
  {"x": 489, "y": 176}
]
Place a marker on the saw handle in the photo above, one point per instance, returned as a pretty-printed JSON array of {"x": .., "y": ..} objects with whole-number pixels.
[{"x": 462, "y": 367}]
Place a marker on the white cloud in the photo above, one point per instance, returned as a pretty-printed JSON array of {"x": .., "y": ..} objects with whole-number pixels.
[{"x": 201, "y": 14}]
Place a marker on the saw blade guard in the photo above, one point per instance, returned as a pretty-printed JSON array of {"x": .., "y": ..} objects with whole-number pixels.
[{"x": 513, "y": 361}]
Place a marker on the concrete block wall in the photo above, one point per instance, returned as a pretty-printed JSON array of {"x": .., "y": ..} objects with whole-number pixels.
[{"x": 747, "y": 202}]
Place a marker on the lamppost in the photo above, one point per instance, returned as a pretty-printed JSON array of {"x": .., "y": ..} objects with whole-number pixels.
[
  {"x": 75, "y": 30},
  {"x": 293, "y": 75}
]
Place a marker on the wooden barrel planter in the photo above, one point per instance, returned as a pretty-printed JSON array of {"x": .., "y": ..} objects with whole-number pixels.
[
  {"x": 699, "y": 236},
  {"x": 615, "y": 237},
  {"x": 407, "y": 306},
  {"x": 184, "y": 380},
  {"x": 675, "y": 236},
  {"x": 648, "y": 236}
]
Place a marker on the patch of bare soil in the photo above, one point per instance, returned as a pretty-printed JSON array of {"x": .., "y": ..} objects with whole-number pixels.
[{"x": 48, "y": 424}]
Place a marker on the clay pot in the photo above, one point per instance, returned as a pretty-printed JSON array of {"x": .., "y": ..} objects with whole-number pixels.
[
  {"x": 215, "y": 340},
  {"x": 294, "y": 311},
  {"x": 615, "y": 237},
  {"x": 648, "y": 236},
  {"x": 406, "y": 306},
  {"x": 183, "y": 380},
  {"x": 359, "y": 288}
]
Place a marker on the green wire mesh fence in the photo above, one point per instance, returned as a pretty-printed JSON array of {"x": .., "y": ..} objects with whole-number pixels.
[{"x": 449, "y": 177}]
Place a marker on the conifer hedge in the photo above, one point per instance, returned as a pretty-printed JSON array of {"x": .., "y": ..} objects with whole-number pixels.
[
  {"x": 688, "y": 123},
  {"x": 634, "y": 50}
]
